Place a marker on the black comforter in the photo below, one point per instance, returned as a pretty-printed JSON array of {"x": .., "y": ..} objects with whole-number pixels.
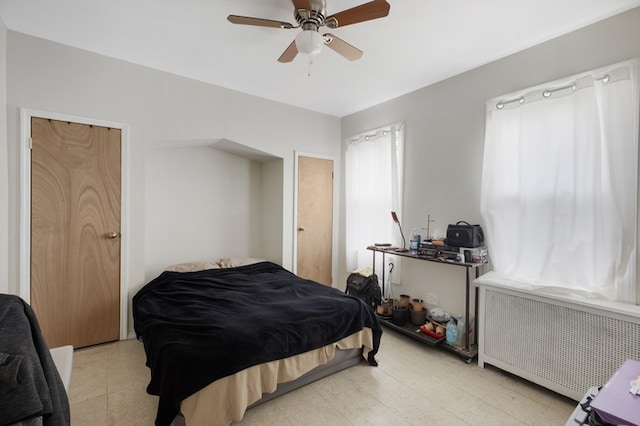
[{"x": 198, "y": 327}]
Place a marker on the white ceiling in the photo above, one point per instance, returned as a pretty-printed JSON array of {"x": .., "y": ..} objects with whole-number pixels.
[{"x": 421, "y": 41}]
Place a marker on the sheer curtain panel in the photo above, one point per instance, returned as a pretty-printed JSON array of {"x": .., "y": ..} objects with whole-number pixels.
[
  {"x": 373, "y": 182},
  {"x": 559, "y": 184}
]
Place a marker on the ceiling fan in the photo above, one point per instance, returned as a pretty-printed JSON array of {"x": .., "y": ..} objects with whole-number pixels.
[{"x": 310, "y": 16}]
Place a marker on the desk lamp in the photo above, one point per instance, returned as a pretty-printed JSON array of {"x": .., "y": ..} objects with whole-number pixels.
[{"x": 395, "y": 219}]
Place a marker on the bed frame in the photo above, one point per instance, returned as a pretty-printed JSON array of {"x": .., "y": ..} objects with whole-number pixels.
[{"x": 343, "y": 359}]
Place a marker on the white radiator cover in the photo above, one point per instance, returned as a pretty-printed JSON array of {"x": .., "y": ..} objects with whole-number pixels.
[{"x": 564, "y": 346}]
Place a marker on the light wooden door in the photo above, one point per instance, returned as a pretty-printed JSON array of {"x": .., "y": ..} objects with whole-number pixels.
[
  {"x": 75, "y": 232},
  {"x": 315, "y": 219}
]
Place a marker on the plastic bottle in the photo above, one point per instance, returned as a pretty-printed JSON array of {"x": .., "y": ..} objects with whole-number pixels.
[
  {"x": 414, "y": 241},
  {"x": 451, "y": 331},
  {"x": 460, "y": 332}
]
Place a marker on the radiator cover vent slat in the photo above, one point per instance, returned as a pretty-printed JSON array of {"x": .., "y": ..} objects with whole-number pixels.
[{"x": 568, "y": 348}]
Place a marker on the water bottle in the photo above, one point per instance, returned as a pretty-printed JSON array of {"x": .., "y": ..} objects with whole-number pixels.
[
  {"x": 414, "y": 241},
  {"x": 460, "y": 332},
  {"x": 451, "y": 331}
]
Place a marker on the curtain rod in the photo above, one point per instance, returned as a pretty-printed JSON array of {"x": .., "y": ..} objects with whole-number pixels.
[
  {"x": 501, "y": 104},
  {"x": 548, "y": 92},
  {"x": 370, "y": 136}
]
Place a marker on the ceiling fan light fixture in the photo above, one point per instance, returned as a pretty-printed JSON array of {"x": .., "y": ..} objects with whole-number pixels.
[
  {"x": 311, "y": 15},
  {"x": 309, "y": 42}
]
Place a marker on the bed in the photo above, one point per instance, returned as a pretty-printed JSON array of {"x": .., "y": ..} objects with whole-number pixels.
[{"x": 226, "y": 335}]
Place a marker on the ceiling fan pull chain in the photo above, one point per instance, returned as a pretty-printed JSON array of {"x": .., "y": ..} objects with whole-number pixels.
[{"x": 310, "y": 63}]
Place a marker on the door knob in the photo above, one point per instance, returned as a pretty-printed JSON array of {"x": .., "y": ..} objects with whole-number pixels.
[
  {"x": 111, "y": 235},
  {"x": 300, "y": 228}
]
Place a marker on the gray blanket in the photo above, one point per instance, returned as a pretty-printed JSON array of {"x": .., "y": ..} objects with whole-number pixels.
[{"x": 30, "y": 386}]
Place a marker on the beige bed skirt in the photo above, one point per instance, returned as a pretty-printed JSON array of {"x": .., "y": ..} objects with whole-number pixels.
[{"x": 227, "y": 399}]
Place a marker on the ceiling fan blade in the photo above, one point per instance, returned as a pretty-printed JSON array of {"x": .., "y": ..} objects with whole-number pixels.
[
  {"x": 289, "y": 54},
  {"x": 365, "y": 12},
  {"x": 302, "y": 4},
  {"x": 246, "y": 20},
  {"x": 342, "y": 47}
]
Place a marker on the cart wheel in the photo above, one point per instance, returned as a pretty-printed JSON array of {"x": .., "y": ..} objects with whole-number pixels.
[{"x": 468, "y": 360}]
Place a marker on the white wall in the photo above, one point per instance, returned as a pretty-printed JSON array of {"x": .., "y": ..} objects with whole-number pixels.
[
  {"x": 202, "y": 204},
  {"x": 159, "y": 109},
  {"x": 272, "y": 194},
  {"x": 4, "y": 194},
  {"x": 445, "y": 133}
]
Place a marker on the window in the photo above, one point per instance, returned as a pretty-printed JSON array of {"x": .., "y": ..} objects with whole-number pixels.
[
  {"x": 559, "y": 184},
  {"x": 373, "y": 181}
]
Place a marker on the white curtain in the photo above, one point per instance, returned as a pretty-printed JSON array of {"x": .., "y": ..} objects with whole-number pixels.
[
  {"x": 559, "y": 184},
  {"x": 373, "y": 181}
]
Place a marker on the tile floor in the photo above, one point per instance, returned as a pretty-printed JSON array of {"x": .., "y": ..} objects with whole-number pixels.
[{"x": 413, "y": 385}]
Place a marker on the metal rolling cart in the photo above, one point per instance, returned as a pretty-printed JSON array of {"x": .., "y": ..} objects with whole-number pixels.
[{"x": 468, "y": 352}]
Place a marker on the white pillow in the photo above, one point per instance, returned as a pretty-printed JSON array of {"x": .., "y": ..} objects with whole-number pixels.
[
  {"x": 232, "y": 262},
  {"x": 193, "y": 266}
]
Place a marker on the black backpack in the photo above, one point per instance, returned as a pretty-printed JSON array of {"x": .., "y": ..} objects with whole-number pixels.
[{"x": 365, "y": 288}]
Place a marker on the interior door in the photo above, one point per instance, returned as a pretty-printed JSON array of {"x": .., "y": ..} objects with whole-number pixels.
[
  {"x": 315, "y": 219},
  {"x": 75, "y": 231}
]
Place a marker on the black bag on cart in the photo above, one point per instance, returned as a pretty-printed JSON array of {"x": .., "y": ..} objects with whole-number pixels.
[
  {"x": 462, "y": 234},
  {"x": 365, "y": 288}
]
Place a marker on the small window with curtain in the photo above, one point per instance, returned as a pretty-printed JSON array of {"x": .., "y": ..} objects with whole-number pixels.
[
  {"x": 373, "y": 189},
  {"x": 559, "y": 184}
]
